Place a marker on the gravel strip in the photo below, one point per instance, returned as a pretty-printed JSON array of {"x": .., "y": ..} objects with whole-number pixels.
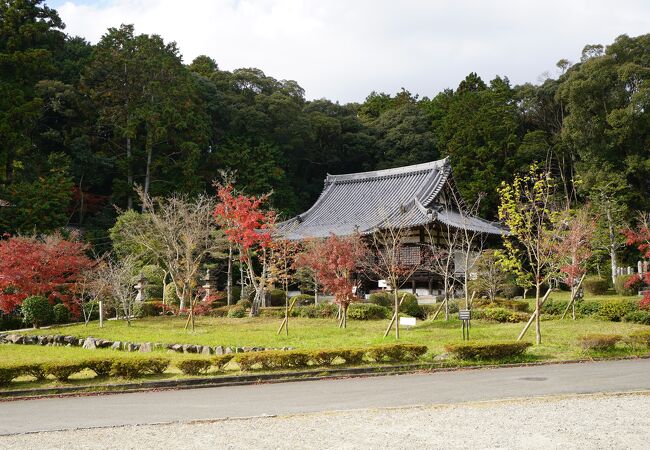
[{"x": 594, "y": 421}]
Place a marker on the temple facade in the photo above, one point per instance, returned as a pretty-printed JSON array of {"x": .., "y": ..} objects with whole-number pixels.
[{"x": 421, "y": 198}]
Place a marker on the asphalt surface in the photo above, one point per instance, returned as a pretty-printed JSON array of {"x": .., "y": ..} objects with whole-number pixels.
[{"x": 325, "y": 395}]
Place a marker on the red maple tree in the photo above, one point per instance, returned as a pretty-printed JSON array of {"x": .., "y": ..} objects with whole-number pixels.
[
  {"x": 48, "y": 267},
  {"x": 334, "y": 261},
  {"x": 574, "y": 247},
  {"x": 641, "y": 239},
  {"x": 247, "y": 226}
]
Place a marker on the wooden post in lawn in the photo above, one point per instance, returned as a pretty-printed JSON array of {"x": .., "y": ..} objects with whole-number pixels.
[
  {"x": 574, "y": 293},
  {"x": 101, "y": 314},
  {"x": 534, "y": 315},
  {"x": 284, "y": 321},
  {"x": 392, "y": 320}
]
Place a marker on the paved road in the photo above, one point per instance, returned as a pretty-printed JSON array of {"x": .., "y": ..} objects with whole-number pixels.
[{"x": 326, "y": 395}]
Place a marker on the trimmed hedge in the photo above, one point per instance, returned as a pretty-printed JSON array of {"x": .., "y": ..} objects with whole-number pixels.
[
  {"x": 384, "y": 299},
  {"x": 133, "y": 368},
  {"x": 194, "y": 366},
  {"x": 101, "y": 367},
  {"x": 615, "y": 310},
  {"x": 237, "y": 312},
  {"x": 220, "y": 361},
  {"x": 554, "y": 307},
  {"x": 367, "y": 311},
  {"x": 396, "y": 352},
  {"x": 276, "y": 297},
  {"x": 62, "y": 370},
  {"x": 320, "y": 311},
  {"x": 598, "y": 341},
  {"x": 503, "y": 315},
  {"x": 596, "y": 285},
  {"x": 642, "y": 317},
  {"x": 588, "y": 308},
  {"x": 487, "y": 350}
]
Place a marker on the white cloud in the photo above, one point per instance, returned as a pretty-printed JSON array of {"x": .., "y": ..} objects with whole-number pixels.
[{"x": 343, "y": 49}]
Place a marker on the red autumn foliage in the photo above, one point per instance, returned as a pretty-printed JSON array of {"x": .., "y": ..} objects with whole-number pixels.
[
  {"x": 48, "y": 267},
  {"x": 641, "y": 239},
  {"x": 575, "y": 245},
  {"x": 333, "y": 261},
  {"x": 245, "y": 223}
]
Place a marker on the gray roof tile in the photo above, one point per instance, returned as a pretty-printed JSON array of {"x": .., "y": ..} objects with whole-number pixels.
[{"x": 366, "y": 201}]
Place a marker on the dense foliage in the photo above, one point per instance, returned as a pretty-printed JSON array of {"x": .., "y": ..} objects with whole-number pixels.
[{"x": 81, "y": 124}]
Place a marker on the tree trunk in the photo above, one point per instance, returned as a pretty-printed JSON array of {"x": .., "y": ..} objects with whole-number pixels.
[
  {"x": 229, "y": 282},
  {"x": 129, "y": 174},
  {"x": 147, "y": 177},
  {"x": 612, "y": 244},
  {"x": 396, "y": 298},
  {"x": 538, "y": 330}
]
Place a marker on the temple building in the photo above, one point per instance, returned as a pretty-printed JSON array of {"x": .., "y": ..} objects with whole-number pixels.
[{"x": 421, "y": 197}]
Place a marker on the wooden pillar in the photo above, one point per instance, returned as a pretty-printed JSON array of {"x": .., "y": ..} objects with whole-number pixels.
[
  {"x": 430, "y": 287},
  {"x": 413, "y": 287}
]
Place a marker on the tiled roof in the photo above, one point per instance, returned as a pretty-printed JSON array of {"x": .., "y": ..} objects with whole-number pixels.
[{"x": 363, "y": 202}]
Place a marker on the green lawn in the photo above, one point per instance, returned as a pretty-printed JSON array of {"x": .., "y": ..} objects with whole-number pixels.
[{"x": 558, "y": 338}]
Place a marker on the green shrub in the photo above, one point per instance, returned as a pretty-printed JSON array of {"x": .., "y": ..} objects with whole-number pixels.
[
  {"x": 620, "y": 288},
  {"x": 35, "y": 370},
  {"x": 640, "y": 338},
  {"x": 396, "y": 352},
  {"x": 276, "y": 297},
  {"x": 171, "y": 298},
  {"x": 220, "y": 361},
  {"x": 324, "y": 357},
  {"x": 62, "y": 370},
  {"x": 511, "y": 291},
  {"x": 596, "y": 285},
  {"x": 554, "y": 307},
  {"x": 147, "y": 309},
  {"x": 9, "y": 372},
  {"x": 302, "y": 300},
  {"x": 245, "y": 303},
  {"x": 137, "y": 367},
  {"x": 61, "y": 313},
  {"x": 194, "y": 366},
  {"x": 276, "y": 311},
  {"x": 615, "y": 310},
  {"x": 588, "y": 307},
  {"x": 237, "y": 312},
  {"x": 384, "y": 299},
  {"x": 37, "y": 311},
  {"x": 503, "y": 315},
  {"x": 642, "y": 317},
  {"x": 453, "y": 307},
  {"x": 410, "y": 306},
  {"x": 487, "y": 350},
  {"x": 320, "y": 311},
  {"x": 274, "y": 359},
  {"x": 367, "y": 311},
  {"x": 352, "y": 355},
  {"x": 222, "y": 311},
  {"x": 101, "y": 367},
  {"x": 598, "y": 341},
  {"x": 429, "y": 310}
]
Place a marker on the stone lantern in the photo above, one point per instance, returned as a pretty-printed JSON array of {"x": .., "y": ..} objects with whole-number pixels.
[
  {"x": 140, "y": 287},
  {"x": 208, "y": 284}
]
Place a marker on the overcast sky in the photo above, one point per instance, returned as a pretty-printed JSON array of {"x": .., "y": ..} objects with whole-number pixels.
[{"x": 343, "y": 49}]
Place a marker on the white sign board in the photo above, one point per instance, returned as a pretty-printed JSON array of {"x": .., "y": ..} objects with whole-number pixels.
[
  {"x": 382, "y": 284},
  {"x": 407, "y": 321}
]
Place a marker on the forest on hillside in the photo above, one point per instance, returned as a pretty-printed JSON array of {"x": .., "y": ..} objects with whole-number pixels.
[{"x": 82, "y": 124}]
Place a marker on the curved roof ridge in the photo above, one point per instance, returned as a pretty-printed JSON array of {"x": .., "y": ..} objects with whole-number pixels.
[{"x": 396, "y": 171}]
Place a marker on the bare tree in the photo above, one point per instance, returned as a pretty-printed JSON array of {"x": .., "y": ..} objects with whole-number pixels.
[
  {"x": 491, "y": 277},
  {"x": 186, "y": 234},
  {"x": 443, "y": 245},
  {"x": 89, "y": 288},
  {"x": 393, "y": 261},
  {"x": 470, "y": 240},
  {"x": 118, "y": 276}
]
